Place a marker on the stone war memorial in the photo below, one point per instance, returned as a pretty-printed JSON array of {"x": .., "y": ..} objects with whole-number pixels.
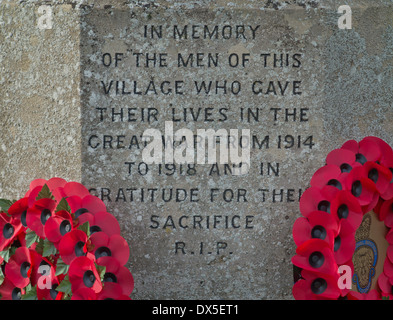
[{"x": 199, "y": 124}]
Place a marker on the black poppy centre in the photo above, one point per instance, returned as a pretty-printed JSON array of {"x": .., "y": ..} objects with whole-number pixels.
[
  {"x": 109, "y": 277},
  {"x": 65, "y": 226},
  {"x": 16, "y": 294},
  {"x": 24, "y": 269},
  {"x": 318, "y": 232},
  {"x": 8, "y": 230},
  {"x": 318, "y": 286},
  {"x": 79, "y": 249},
  {"x": 316, "y": 259},
  {"x": 103, "y": 252},
  {"x": 45, "y": 215},
  {"x": 89, "y": 278},
  {"x": 324, "y": 205},
  {"x": 80, "y": 212}
]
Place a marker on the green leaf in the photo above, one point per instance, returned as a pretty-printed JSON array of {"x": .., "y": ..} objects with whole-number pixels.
[
  {"x": 40, "y": 246},
  {"x": 63, "y": 205},
  {"x": 1, "y": 276},
  {"x": 31, "y": 237},
  {"x": 31, "y": 293},
  {"x": 64, "y": 286},
  {"x": 5, "y": 205},
  {"x": 49, "y": 248},
  {"x": 85, "y": 228},
  {"x": 61, "y": 267},
  {"x": 44, "y": 193},
  {"x": 101, "y": 270},
  {"x": 7, "y": 253}
]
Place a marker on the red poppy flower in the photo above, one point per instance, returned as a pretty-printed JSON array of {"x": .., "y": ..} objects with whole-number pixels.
[
  {"x": 21, "y": 238},
  {"x": 72, "y": 245},
  {"x": 386, "y": 152},
  {"x": 386, "y": 213},
  {"x": 388, "y": 194},
  {"x": 371, "y": 295},
  {"x": 9, "y": 230},
  {"x": 112, "y": 291},
  {"x": 75, "y": 189},
  {"x": 342, "y": 282},
  {"x": 115, "y": 246},
  {"x": 363, "y": 172},
  {"x": 346, "y": 209},
  {"x": 380, "y": 175},
  {"x": 318, "y": 224},
  {"x": 88, "y": 203},
  {"x": 362, "y": 187},
  {"x": 19, "y": 209},
  {"x": 43, "y": 276},
  {"x": 385, "y": 283},
  {"x": 315, "y": 286},
  {"x": 34, "y": 184},
  {"x": 378, "y": 206},
  {"x": 389, "y": 253},
  {"x": 50, "y": 293},
  {"x": 53, "y": 184},
  {"x": 8, "y": 291},
  {"x": 344, "y": 244},
  {"x": 343, "y": 159},
  {"x": 328, "y": 175},
  {"x": 83, "y": 274},
  {"x": 115, "y": 272},
  {"x": 84, "y": 294},
  {"x": 388, "y": 267},
  {"x": 315, "y": 255},
  {"x": 37, "y": 260},
  {"x": 315, "y": 199},
  {"x": 38, "y": 214},
  {"x": 385, "y": 160},
  {"x": 57, "y": 226},
  {"x": 32, "y": 195},
  {"x": 27, "y": 266},
  {"x": 389, "y": 236},
  {"x": 70, "y": 189},
  {"x": 365, "y": 150},
  {"x": 100, "y": 221},
  {"x": 19, "y": 267}
]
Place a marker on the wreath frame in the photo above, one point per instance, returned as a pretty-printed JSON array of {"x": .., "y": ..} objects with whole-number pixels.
[{"x": 356, "y": 179}]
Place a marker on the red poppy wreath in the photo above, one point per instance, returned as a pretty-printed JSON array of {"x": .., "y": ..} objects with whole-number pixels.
[
  {"x": 59, "y": 243},
  {"x": 355, "y": 181}
]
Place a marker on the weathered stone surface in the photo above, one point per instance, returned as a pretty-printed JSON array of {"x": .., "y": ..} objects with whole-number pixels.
[
  {"x": 40, "y": 110},
  {"x": 53, "y": 100}
]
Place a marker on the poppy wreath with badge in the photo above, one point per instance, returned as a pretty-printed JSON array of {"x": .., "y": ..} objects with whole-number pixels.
[
  {"x": 59, "y": 242},
  {"x": 356, "y": 179}
]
